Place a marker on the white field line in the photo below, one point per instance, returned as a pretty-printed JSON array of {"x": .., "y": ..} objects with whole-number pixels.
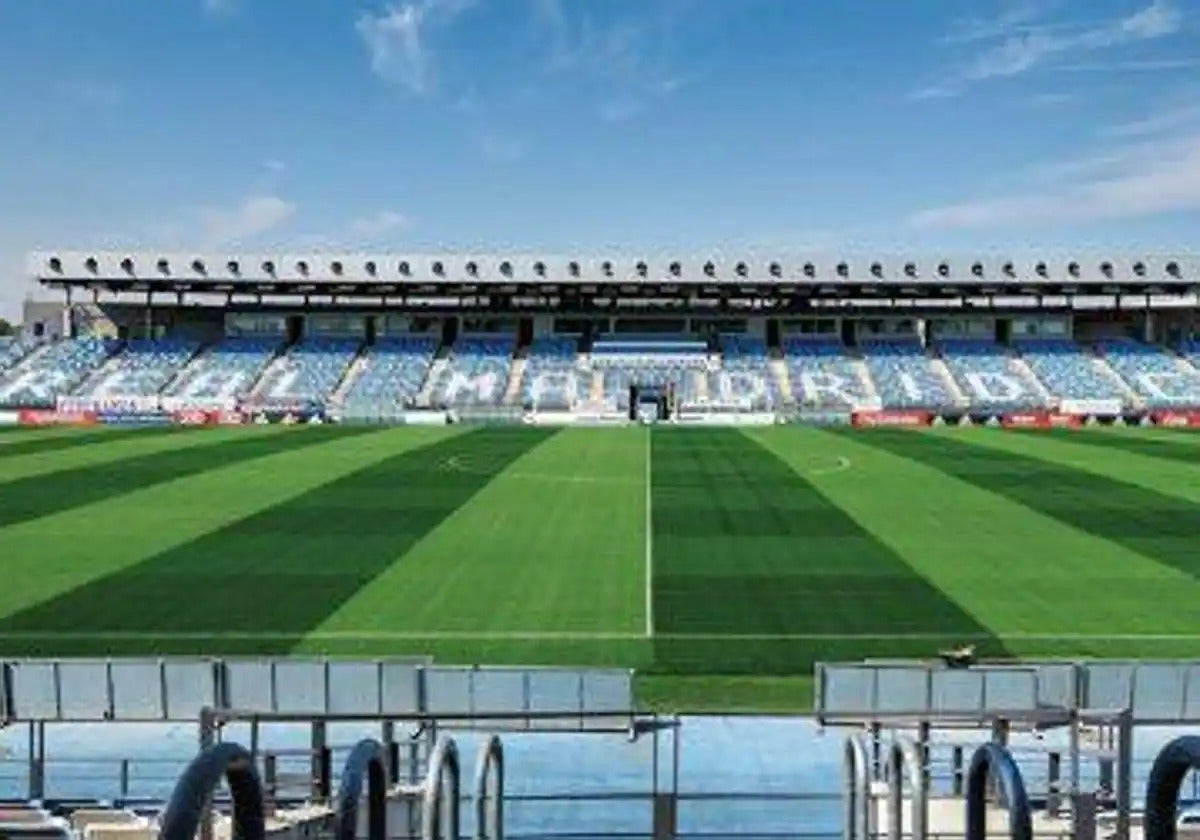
[
  {"x": 649, "y": 560},
  {"x": 567, "y": 635}
]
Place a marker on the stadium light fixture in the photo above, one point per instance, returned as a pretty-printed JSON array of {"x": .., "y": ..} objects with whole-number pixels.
[
  {"x": 233, "y": 267},
  {"x": 164, "y": 265},
  {"x": 606, "y": 268},
  {"x": 404, "y": 268},
  {"x": 943, "y": 269},
  {"x": 642, "y": 269},
  {"x": 710, "y": 269},
  {"x": 843, "y": 270},
  {"x": 977, "y": 269},
  {"x": 775, "y": 269},
  {"x": 910, "y": 269},
  {"x": 1073, "y": 268},
  {"x": 268, "y": 268},
  {"x": 1106, "y": 268},
  {"x": 741, "y": 269},
  {"x": 302, "y": 267},
  {"x": 1173, "y": 269},
  {"x": 55, "y": 265},
  {"x": 539, "y": 268},
  {"x": 91, "y": 265},
  {"x": 127, "y": 265},
  {"x": 676, "y": 269},
  {"x": 1009, "y": 270},
  {"x": 473, "y": 269},
  {"x": 573, "y": 268},
  {"x": 198, "y": 266},
  {"x": 876, "y": 269},
  {"x": 1041, "y": 269},
  {"x": 1139, "y": 268},
  {"x": 438, "y": 269},
  {"x": 810, "y": 270},
  {"x": 370, "y": 268},
  {"x": 506, "y": 268},
  {"x": 336, "y": 267}
]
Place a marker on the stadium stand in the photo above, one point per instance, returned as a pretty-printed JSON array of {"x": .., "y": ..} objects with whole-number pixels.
[
  {"x": 13, "y": 350},
  {"x": 553, "y": 378},
  {"x": 1069, "y": 371},
  {"x": 475, "y": 373},
  {"x": 822, "y": 374},
  {"x": 743, "y": 380},
  {"x": 648, "y": 361},
  {"x": 308, "y": 373},
  {"x": 904, "y": 375},
  {"x": 53, "y": 371},
  {"x": 141, "y": 368},
  {"x": 1160, "y": 379},
  {"x": 393, "y": 370},
  {"x": 989, "y": 376},
  {"x": 225, "y": 371}
]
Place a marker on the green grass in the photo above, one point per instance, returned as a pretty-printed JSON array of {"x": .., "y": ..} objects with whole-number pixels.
[{"x": 720, "y": 563}]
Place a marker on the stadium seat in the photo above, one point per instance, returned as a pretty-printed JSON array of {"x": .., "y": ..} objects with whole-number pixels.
[
  {"x": 553, "y": 379},
  {"x": 648, "y": 361},
  {"x": 476, "y": 373},
  {"x": 1160, "y": 378},
  {"x": 989, "y": 376},
  {"x": 307, "y": 373},
  {"x": 142, "y": 368},
  {"x": 54, "y": 371},
  {"x": 393, "y": 370},
  {"x": 1068, "y": 370},
  {"x": 903, "y": 375},
  {"x": 743, "y": 380},
  {"x": 822, "y": 375},
  {"x": 225, "y": 371}
]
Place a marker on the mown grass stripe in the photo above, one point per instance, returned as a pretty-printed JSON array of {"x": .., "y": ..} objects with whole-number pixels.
[
  {"x": 553, "y": 543},
  {"x": 33, "y": 497},
  {"x": 1174, "y": 448},
  {"x": 8, "y": 449},
  {"x": 743, "y": 545},
  {"x": 961, "y": 538},
  {"x": 287, "y": 567},
  {"x": 1153, "y": 524}
]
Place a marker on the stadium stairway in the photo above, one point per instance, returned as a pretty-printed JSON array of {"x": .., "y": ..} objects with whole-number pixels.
[
  {"x": 516, "y": 375},
  {"x": 938, "y": 365},
  {"x": 1130, "y": 396},
  {"x": 353, "y": 372},
  {"x": 1025, "y": 371},
  {"x": 778, "y": 368},
  {"x": 433, "y": 376}
]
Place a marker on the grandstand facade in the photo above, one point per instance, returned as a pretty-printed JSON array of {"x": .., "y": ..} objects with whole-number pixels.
[{"x": 425, "y": 338}]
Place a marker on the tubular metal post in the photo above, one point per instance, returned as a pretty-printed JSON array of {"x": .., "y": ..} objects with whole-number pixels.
[
  {"x": 1053, "y": 781},
  {"x": 956, "y": 759},
  {"x": 904, "y": 758},
  {"x": 208, "y": 736},
  {"x": 124, "y": 785},
  {"x": 1124, "y": 773},
  {"x": 270, "y": 784},
  {"x": 319, "y": 762}
]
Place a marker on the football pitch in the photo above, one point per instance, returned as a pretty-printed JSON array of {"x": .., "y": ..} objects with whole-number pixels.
[{"x": 721, "y": 563}]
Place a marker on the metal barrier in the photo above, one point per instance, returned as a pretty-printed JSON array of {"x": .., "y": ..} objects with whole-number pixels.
[
  {"x": 367, "y": 763},
  {"x": 903, "y": 756},
  {"x": 441, "y": 795},
  {"x": 489, "y": 790},
  {"x": 1162, "y": 789},
  {"x": 997, "y": 761},
  {"x": 195, "y": 787},
  {"x": 856, "y": 815}
]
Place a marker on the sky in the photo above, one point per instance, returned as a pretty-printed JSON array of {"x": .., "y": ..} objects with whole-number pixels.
[{"x": 589, "y": 126}]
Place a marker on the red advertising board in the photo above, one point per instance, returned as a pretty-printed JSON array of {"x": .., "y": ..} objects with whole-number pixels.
[
  {"x": 891, "y": 418},
  {"x": 48, "y": 417},
  {"x": 207, "y": 417},
  {"x": 1177, "y": 418},
  {"x": 1039, "y": 420}
]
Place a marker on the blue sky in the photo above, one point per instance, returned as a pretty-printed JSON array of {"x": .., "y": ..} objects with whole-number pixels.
[{"x": 766, "y": 125}]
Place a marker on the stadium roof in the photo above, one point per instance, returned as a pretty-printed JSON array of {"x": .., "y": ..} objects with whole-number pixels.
[{"x": 816, "y": 275}]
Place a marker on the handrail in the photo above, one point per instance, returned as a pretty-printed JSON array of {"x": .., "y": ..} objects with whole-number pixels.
[
  {"x": 195, "y": 787},
  {"x": 903, "y": 756},
  {"x": 489, "y": 804},
  {"x": 367, "y": 763},
  {"x": 995, "y": 759},
  {"x": 856, "y": 815},
  {"x": 441, "y": 795},
  {"x": 1162, "y": 789}
]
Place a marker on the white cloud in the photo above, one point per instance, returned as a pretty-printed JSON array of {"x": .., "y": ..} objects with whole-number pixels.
[
  {"x": 1150, "y": 177},
  {"x": 1015, "y": 45},
  {"x": 252, "y": 217},
  {"x": 395, "y": 40},
  {"x": 381, "y": 223}
]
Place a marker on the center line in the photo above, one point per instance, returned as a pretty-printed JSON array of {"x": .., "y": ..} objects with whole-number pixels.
[{"x": 649, "y": 547}]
